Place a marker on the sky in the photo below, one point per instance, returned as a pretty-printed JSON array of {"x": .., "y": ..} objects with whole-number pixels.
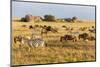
[{"x": 20, "y": 9}]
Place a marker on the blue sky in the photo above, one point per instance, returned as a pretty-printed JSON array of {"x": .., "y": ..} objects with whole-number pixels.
[{"x": 20, "y": 9}]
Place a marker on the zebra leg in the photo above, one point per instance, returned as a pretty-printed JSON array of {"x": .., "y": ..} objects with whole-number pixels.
[
  {"x": 30, "y": 47},
  {"x": 36, "y": 45},
  {"x": 42, "y": 45}
]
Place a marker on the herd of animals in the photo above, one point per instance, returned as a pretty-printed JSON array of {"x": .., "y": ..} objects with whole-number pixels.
[{"x": 44, "y": 30}]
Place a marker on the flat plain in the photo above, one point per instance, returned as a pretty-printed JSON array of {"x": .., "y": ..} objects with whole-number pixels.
[{"x": 56, "y": 51}]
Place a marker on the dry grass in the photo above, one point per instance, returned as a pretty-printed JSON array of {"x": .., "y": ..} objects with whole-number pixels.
[{"x": 55, "y": 51}]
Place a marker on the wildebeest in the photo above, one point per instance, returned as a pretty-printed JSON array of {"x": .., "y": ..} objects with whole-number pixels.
[
  {"x": 83, "y": 36},
  {"x": 17, "y": 39},
  {"x": 47, "y": 29},
  {"x": 92, "y": 29},
  {"x": 91, "y": 38},
  {"x": 41, "y": 26},
  {"x": 68, "y": 28},
  {"x": 31, "y": 27},
  {"x": 36, "y": 25},
  {"x": 68, "y": 37},
  {"x": 24, "y": 25},
  {"x": 92, "y": 26},
  {"x": 64, "y": 26},
  {"x": 86, "y": 36},
  {"x": 82, "y": 28}
]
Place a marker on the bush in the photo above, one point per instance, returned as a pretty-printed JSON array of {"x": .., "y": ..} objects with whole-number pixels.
[
  {"x": 49, "y": 18},
  {"x": 23, "y": 19},
  {"x": 74, "y": 19},
  {"x": 68, "y": 19},
  {"x": 28, "y": 18}
]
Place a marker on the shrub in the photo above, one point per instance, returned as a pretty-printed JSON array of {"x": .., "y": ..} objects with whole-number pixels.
[
  {"x": 74, "y": 19},
  {"x": 23, "y": 19},
  {"x": 49, "y": 18},
  {"x": 68, "y": 19},
  {"x": 28, "y": 18}
]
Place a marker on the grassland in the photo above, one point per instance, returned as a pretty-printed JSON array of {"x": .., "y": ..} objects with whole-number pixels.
[{"x": 55, "y": 52}]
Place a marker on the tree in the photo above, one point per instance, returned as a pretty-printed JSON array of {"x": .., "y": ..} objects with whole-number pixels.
[
  {"x": 23, "y": 19},
  {"x": 28, "y": 18},
  {"x": 68, "y": 19},
  {"x": 49, "y": 18},
  {"x": 74, "y": 18}
]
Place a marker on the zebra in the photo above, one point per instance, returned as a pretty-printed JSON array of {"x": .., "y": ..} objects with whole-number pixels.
[{"x": 33, "y": 42}]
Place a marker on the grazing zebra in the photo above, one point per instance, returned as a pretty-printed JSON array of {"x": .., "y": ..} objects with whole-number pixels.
[{"x": 33, "y": 42}]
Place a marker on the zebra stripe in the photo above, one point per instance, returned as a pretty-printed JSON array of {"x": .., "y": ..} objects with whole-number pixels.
[{"x": 33, "y": 42}]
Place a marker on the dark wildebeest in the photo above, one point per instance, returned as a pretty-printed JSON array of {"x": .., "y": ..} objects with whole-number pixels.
[
  {"x": 91, "y": 38},
  {"x": 54, "y": 30},
  {"x": 64, "y": 26},
  {"x": 36, "y": 25},
  {"x": 86, "y": 36},
  {"x": 24, "y": 26},
  {"x": 83, "y": 36},
  {"x": 47, "y": 29},
  {"x": 82, "y": 28},
  {"x": 31, "y": 27},
  {"x": 68, "y": 37},
  {"x": 17, "y": 39},
  {"x": 92, "y": 30}
]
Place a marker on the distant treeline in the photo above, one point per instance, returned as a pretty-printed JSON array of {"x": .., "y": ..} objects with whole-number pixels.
[{"x": 29, "y": 18}]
